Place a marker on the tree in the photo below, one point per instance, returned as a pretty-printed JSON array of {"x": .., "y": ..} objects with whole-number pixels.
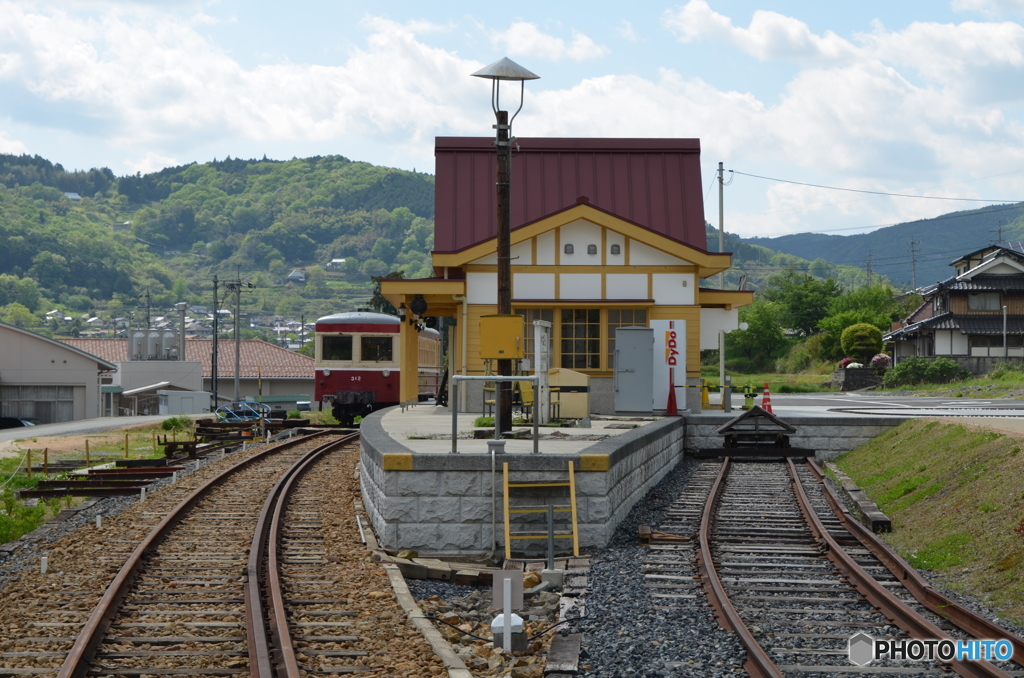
[
  {"x": 180, "y": 289},
  {"x": 873, "y": 304},
  {"x": 803, "y": 300},
  {"x": 763, "y": 340},
  {"x": 316, "y": 282},
  {"x": 377, "y": 301},
  {"x": 862, "y": 341},
  {"x": 17, "y": 315}
]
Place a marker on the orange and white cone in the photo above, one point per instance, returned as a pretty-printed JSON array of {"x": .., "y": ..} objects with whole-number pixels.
[{"x": 766, "y": 400}]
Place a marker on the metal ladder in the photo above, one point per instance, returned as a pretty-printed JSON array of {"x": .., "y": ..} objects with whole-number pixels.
[{"x": 570, "y": 508}]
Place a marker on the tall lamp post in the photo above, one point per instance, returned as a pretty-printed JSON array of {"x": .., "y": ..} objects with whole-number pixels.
[{"x": 508, "y": 70}]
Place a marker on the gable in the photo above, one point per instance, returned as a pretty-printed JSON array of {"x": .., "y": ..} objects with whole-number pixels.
[
  {"x": 597, "y": 239},
  {"x": 999, "y": 265}
]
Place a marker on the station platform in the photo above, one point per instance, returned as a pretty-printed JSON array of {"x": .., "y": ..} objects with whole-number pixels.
[{"x": 427, "y": 429}]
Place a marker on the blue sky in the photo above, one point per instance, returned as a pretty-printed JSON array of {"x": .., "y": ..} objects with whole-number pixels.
[{"x": 922, "y": 98}]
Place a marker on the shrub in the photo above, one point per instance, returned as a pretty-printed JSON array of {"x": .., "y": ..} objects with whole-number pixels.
[
  {"x": 881, "y": 362},
  {"x": 920, "y": 370},
  {"x": 1001, "y": 370},
  {"x": 861, "y": 341},
  {"x": 176, "y": 424},
  {"x": 294, "y": 414}
]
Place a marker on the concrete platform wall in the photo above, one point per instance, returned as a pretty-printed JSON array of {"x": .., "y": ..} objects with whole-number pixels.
[
  {"x": 829, "y": 436},
  {"x": 441, "y": 503}
]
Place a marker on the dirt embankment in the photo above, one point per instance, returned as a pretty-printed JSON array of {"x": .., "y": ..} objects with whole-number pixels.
[{"x": 955, "y": 492}]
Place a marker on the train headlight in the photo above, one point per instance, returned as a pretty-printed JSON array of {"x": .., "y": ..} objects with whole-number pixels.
[
  {"x": 327, "y": 373},
  {"x": 386, "y": 373}
]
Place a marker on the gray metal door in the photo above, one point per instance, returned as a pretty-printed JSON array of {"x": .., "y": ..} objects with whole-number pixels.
[{"x": 634, "y": 370}]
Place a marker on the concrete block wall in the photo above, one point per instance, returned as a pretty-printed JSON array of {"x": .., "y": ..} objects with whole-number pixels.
[
  {"x": 828, "y": 436},
  {"x": 441, "y": 503}
]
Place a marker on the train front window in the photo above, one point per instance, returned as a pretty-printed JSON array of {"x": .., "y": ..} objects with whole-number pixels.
[
  {"x": 337, "y": 348},
  {"x": 376, "y": 349}
]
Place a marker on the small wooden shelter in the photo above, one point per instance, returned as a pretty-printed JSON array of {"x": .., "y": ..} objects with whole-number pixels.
[{"x": 755, "y": 433}]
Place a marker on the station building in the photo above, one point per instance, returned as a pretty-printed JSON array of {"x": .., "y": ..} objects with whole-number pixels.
[{"x": 605, "y": 233}]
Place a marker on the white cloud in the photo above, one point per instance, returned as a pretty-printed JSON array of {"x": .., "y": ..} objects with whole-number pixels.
[
  {"x": 525, "y": 39},
  {"x": 627, "y": 32},
  {"x": 151, "y": 162},
  {"x": 11, "y": 146},
  {"x": 990, "y": 7},
  {"x": 770, "y": 35}
]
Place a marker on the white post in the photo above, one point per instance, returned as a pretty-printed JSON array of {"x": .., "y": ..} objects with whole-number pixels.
[
  {"x": 99, "y": 522},
  {"x": 142, "y": 495},
  {"x": 506, "y": 639},
  {"x": 1006, "y": 352},
  {"x": 44, "y": 565},
  {"x": 541, "y": 365}
]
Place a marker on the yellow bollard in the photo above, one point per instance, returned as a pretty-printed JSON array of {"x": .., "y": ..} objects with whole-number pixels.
[
  {"x": 28, "y": 463},
  {"x": 87, "y": 453},
  {"x": 125, "y": 445},
  {"x": 705, "y": 398},
  {"x": 46, "y": 461}
]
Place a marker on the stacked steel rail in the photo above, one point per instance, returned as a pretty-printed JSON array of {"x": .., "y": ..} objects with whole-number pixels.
[{"x": 767, "y": 545}]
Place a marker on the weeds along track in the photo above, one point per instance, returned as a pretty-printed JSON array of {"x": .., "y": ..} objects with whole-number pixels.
[
  {"x": 162, "y": 590},
  {"x": 784, "y": 567}
]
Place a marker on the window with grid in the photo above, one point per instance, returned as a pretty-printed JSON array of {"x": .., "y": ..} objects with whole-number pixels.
[
  {"x": 581, "y": 338},
  {"x": 622, "y": 317},
  {"x": 529, "y": 315}
]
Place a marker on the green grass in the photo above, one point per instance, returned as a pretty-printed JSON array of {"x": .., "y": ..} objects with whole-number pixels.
[
  {"x": 943, "y": 554},
  {"x": 777, "y": 383},
  {"x": 955, "y": 494}
]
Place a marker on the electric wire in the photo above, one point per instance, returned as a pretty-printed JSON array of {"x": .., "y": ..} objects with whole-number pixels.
[{"x": 859, "y": 190}]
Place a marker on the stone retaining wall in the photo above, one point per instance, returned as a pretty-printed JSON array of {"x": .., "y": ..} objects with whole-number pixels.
[
  {"x": 441, "y": 503},
  {"x": 829, "y": 436}
]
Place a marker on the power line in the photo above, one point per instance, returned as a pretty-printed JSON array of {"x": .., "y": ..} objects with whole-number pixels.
[{"x": 858, "y": 190}]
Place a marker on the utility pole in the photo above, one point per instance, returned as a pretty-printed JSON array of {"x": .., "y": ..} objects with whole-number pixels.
[
  {"x": 721, "y": 221},
  {"x": 149, "y": 307},
  {"x": 913, "y": 259},
  {"x": 998, "y": 230},
  {"x": 213, "y": 356},
  {"x": 868, "y": 268},
  {"x": 504, "y": 198},
  {"x": 302, "y": 331},
  {"x": 236, "y": 286}
]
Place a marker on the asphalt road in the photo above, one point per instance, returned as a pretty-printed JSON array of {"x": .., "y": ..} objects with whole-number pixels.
[
  {"x": 72, "y": 428},
  {"x": 895, "y": 405}
]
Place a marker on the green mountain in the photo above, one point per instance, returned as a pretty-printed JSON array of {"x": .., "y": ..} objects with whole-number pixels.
[
  {"x": 167, "y": 233},
  {"x": 937, "y": 242}
]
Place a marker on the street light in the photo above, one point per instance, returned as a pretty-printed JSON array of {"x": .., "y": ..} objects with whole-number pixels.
[{"x": 508, "y": 70}]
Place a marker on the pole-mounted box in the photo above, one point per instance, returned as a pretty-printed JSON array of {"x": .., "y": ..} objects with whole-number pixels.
[{"x": 501, "y": 337}]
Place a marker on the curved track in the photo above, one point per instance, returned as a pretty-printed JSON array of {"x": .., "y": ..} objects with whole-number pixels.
[
  {"x": 182, "y": 604},
  {"x": 786, "y": 568}
]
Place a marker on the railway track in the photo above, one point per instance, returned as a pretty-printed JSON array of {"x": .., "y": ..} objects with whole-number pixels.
[
  {"x": 187, "y": 597},
  {"x": 785, "y": 568}
]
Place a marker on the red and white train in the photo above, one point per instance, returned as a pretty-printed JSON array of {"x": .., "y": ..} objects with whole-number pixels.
[{"x": 357, "y": 363}]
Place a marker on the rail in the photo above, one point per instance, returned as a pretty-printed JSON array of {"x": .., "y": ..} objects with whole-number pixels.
[
  {"x": 76, "y": 664},
  {"x": 758, "y": 664},
  {"x": 266, "y": 541},
  {"x": 892, "y": 607},
  {"x": 965, "y": 619},
  {"x": 497, "y": 410}
]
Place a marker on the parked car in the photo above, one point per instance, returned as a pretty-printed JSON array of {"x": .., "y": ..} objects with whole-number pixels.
[{"x": 12, "y": 422}]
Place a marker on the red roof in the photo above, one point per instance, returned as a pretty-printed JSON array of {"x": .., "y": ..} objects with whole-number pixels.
[
  {"x": 655, "y": 183},
  {"x": 274, "y": 362}
]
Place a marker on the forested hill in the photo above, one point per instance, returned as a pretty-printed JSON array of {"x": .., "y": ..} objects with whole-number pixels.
[
  {"x": 938, "y": 242},
  {"x": 167, "y": 233}
]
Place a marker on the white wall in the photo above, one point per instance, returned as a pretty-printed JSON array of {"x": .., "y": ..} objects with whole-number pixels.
[
  {"x": 645, "y": 255},
  {"x": 579, "y": 285},
  {"x": 482, "y": 288},
  {"x": 186, "y": 374},
  {"x": 580, "y": 234},
  {"x": 960, "y": 344},
  {"x": 714, "y": 319},
  {"x": 672, "y": 289},
  {"x": 533, "y": 285},
  {"x": 626, "y": 285},
  {"x": 546, "y": 249},
  {"x": 943, "y": 342}
]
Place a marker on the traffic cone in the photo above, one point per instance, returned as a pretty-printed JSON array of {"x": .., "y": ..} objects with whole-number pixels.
[
  {"x": 671, "y": 410},
  {"x": 766, "y": 401}
]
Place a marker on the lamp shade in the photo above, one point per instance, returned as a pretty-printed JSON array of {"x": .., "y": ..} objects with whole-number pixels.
[{"x": 505, "y": 69}]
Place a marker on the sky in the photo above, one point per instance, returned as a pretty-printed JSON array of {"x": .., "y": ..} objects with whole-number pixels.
[{"x": 918, "y": 97}]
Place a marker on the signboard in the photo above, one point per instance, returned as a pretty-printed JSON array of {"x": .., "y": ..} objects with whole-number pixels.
[{"x": 669, "y": 358}]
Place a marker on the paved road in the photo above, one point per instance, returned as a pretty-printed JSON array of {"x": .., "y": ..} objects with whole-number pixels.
[
  {"x": 71, "y": 428},
  {"x": 879, "y": 404}
]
